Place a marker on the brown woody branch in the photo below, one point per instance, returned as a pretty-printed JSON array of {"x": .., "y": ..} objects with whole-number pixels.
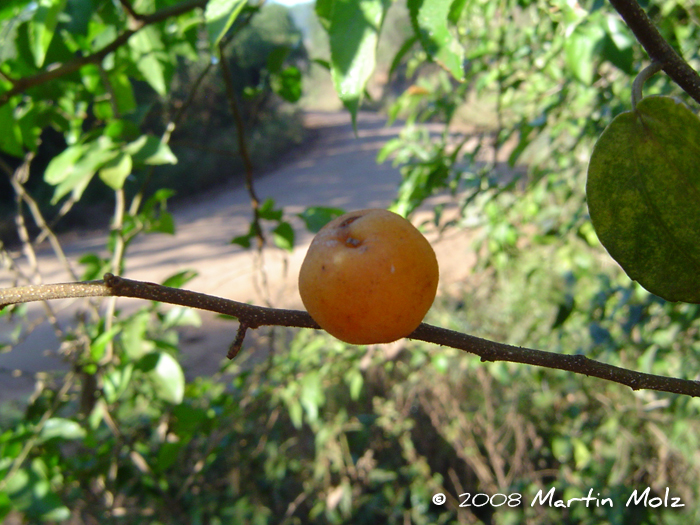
[
  {"x": 242, "y": 144},
  {"x": 657, "y": 47},
  {"x": 251, "y": 316},
  {"x": 22, "y": 84}
]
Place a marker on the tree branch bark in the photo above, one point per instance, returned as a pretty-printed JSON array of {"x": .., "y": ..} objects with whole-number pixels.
[
  {"x": 252, "y": 316},
  {"x": 657, "y": 47}
]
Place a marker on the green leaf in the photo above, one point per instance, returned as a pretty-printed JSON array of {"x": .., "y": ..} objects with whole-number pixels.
[
  {"x": 147, "y": 48},
  {"x": 122, "y": 130},
  {"x": 115, "y": 382},
  {"x": 456, "y": 8},
  {"x": 242, "y": 240},
  {"x": 431, "y": 22},
  {"x": 163, "y": 222},
  {"x": 150, "y": 150},
  {"x": 123, "y": 92},
  {"x": 168, "y": 454},
  {"x": 58, "y": 427},
  {"x": 312, "y": 395},
  {"x": 316, "y": 217},
  {"x": 219, "y": 16},
  {"x": 355, "y": 381},
  {"x": 179, "y": 279},
  {"x": 11, "y": 135},
  {"x": 618, "y": 45},
  {"x": 133, "y": 336},
  {"x": 95, "y": 266},
  {"x": 72, "y": 170},
  {"x": 181, "y": 316},
  {"x": 643, "y": 191},
  {"x": 353, "y": 27},
  {"x": 403, "y": 50},
  {"x": 98, "y": 346},
  {"x": 42, "y": 27},
  {"x": 168, "y": 379},
  {"x": 115, "y": 171},
  {"x": 283, "y": 236},
  {"x": 581, "y": 51},
  {"x": 276, "y": 58},
  {"x": 268, "y": 212},
  {"x": 287, "y": 84},
  {"x": 10, "y": 8}
]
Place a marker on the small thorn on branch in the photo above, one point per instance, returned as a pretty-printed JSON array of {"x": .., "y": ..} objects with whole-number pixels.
[{"x": 238, "y": 342}]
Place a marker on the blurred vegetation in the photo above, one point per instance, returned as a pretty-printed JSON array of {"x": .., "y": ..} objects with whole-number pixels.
[
  {"x": 206, "y": 141},
  {"x": 325, "y": 433}
]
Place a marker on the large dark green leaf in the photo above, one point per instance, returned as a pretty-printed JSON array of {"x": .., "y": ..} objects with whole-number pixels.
[{"x": 644, "y": 193}]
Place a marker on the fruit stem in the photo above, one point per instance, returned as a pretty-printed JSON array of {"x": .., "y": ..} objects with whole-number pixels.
[{"x": 644, "y": 75}]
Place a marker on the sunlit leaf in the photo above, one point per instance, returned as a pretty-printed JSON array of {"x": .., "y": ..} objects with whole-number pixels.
[
  {"x": 42, "y": 27},
  {"x": 581, "y": 50},
  {"x": 168, "y": 379},
  {"x": 115, "y": 171},
  {"x": 147, "y": 47},
  {"x": 116, "y": 382},
  {"x": 353, "y": 27},
  {"x": 72, "y": 170},
  {"x": 219, "y": 16},
  {"x": 431, "y": 22},
  {"x": 283, "y": 236},
  {"x": 150, "y": 150},
  {"x": 99, "y": 345},
  {"x": 181, "y": 316},
  {"x": 179, "y": 279},
  {"x": 643, "y": 192},
  {"x": 58, "y": 427}
]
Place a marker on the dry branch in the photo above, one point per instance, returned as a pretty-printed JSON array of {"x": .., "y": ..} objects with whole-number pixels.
[{"x": 251, "y": 316}]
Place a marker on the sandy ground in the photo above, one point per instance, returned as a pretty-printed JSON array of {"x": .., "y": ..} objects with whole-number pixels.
[{"x": 337, "y": 169}]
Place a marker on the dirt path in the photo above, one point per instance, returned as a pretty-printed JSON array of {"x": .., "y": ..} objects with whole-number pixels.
[{"x": 338, "y": 170}]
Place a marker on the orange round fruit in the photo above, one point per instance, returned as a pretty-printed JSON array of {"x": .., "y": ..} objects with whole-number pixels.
[{"x": 369, "y": 277}]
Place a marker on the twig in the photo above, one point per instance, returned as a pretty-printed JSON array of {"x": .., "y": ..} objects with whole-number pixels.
[
  {"x": 242, "y": 144},
  {"x": 256, "y": 316},
  {"x": 656, "y": 46},
  {"x": 238, "y": 342},
  {"x": 22, "y": 84},
  {"x": 130, "y": 10},
  {"x": 248, "y": 168}
]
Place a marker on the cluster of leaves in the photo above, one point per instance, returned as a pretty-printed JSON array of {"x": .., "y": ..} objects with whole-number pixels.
[
  {"x": 120, "y": 75},
  {"x": 322, "y": 432}
]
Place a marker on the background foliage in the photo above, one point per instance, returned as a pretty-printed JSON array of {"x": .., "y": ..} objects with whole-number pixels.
[{"x": 322, "y": 432}]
